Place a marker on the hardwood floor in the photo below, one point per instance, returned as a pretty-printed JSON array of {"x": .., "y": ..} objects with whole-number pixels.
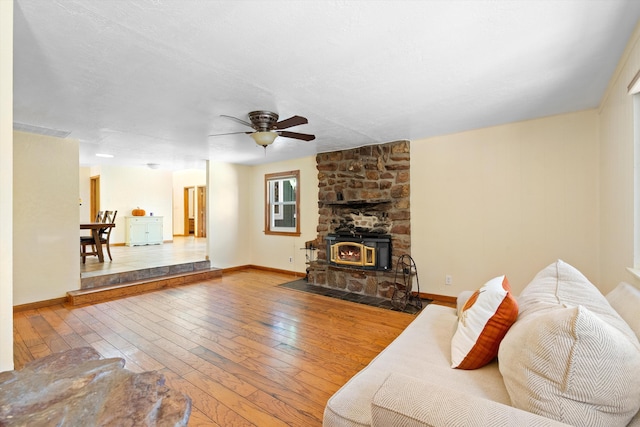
[{"x": 247, "y": 352}]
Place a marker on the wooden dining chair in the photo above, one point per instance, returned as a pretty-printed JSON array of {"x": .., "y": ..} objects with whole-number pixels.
[
  {"x": 84, "y": 242},
  {"x": 105, "y": 233},
  {"x": 109, "y": 217},
  {"x": 99, "y": 218}
]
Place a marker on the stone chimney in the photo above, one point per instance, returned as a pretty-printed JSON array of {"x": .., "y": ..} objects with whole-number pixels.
[{"x": 367, "y": 190}]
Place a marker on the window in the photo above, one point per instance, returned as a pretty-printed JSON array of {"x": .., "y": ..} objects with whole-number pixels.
[{"x": 282, "y": 196}]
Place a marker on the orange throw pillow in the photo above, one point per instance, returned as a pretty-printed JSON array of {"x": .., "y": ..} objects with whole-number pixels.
[{"x": 485, "y": 319}]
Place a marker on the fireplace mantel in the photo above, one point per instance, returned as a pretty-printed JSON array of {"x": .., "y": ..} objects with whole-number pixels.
[{"x": 355, "y": 203}]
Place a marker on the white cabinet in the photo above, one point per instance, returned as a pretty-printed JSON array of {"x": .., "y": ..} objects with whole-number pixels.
[{"x": 143, "y": 230}]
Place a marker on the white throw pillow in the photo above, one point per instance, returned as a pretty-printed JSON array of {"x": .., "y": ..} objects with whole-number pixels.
[
  {"x": 570, "y": 365},
  {"x": 561, "y": 284},
  {"x": 462, "y": 299},
  {"x": 570, "y": 356},
  {"x": 486, "y": 316}
]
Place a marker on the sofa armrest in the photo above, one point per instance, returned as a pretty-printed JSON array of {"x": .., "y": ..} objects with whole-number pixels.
[{"x": 407, "y": 401}]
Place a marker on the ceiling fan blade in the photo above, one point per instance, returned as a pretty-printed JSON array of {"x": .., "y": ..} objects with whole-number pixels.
[
  {"x": 291, "y": 122},
  {"x": 296, "y": 135},
  {"x": 230, "y": 133},
  {"x": 235, "y": 119}
]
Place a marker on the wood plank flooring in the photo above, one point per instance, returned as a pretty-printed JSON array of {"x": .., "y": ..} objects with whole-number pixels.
[{"x": 247, "y": 352}]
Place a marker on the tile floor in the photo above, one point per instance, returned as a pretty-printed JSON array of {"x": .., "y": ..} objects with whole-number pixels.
[{"x": 183, "y": 249}]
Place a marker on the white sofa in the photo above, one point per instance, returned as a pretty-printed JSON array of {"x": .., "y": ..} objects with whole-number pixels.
[{"x": 411, "y": 382}]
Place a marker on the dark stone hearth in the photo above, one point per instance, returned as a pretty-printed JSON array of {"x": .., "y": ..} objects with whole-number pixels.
[
  {"x": 76, "y": 387},
  {"x": 382, "y": 302}
]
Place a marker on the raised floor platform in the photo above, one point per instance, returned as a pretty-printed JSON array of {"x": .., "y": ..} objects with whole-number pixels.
[
  {"x": 143, "y": 268},
  {"x": 126, "y": 288},
  {"x": 108, "y": 279}
]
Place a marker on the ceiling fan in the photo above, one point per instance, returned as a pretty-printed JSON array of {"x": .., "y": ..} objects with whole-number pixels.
[{"x": 266, "y": 127}]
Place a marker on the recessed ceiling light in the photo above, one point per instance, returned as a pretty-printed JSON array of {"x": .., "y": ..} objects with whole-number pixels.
[{"x": 104, "y": 155}]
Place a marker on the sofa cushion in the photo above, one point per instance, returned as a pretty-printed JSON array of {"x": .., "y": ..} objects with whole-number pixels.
[
  {"x": 570, "y": 365},
  {"x": 485, "y": 319},
  {"x": 625, "y": 299},
  {"x": 407, "y": 401},
  {"x": 570, "y": 356}
]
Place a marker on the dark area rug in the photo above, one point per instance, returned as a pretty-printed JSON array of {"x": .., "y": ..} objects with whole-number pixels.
[{"x": 304, "y": 286}]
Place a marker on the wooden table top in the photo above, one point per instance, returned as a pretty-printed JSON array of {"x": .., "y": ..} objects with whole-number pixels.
[{"x": 92, "y": 225}]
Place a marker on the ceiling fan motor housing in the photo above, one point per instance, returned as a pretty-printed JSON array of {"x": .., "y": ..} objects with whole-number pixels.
[{"x": 263, "y": 120}]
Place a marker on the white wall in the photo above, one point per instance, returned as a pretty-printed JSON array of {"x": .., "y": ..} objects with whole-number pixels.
[
  {"x": 272, "y": 250},
  {"x": 126, "y": 188},
  {"x": 616, "y": 184},
  {"x": 45, "y": 211},
  {"x": 505, "y": 200},
  {"x": 230, "y": 204},
  {"x": 181, "y": 179},
  {"x": 6, "y": 185}
]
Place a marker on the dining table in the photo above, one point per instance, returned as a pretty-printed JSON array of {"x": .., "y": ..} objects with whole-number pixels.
[{"x": 95, "y": 232}]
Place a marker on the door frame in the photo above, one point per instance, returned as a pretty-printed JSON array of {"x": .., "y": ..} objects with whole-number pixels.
[
  {"x": 185, "y": 198},
  {"x": 201, "y": 218},
  {"x": 94, "y": 196}
]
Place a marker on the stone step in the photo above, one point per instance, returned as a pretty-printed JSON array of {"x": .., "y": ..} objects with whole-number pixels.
[
  {"x": 100, "y": 279},
  {"x": 124, "y": 286}
]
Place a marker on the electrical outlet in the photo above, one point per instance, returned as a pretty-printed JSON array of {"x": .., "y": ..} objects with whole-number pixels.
[
  {"x": 290, "y": 259},
  {"x": 448, "y": 280}
]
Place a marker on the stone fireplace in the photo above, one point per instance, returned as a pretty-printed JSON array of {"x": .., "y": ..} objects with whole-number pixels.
[{"x": 363, "y": 218}]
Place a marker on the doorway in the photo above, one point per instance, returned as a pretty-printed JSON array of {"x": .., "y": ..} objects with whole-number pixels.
[
  {"x": 195, "y": 211},
  {"x": 94, "y": 196},
  {"x": 189, "y": 209}
]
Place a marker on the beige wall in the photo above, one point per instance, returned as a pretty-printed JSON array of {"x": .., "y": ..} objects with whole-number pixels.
[
  {"x": 275, "y": 251},
  {"x": 6, "y": 185},
  {"x": 46, "y": 217},
  {"x": 616, "y": 163},
  {"x": 126, "y": 188},
  {"x": 236, "y": 219},
  {"x": 229, "y": 207},
  {"x": 505, "y": 200}
]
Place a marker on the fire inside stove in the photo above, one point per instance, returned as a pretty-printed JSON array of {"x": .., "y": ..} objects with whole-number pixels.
[
  {"x": 366, "y": 252},
  {"x": 354, "y": 254},
  {"x": 349, "y": 253}
]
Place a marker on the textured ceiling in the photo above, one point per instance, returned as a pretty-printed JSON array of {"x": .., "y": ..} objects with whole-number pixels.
[{"x": 147, "y": 80}]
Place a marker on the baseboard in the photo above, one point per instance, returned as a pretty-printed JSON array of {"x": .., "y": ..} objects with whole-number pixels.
[
  {"x": 260, "y": 267},
  {"x": 236, "y": 268},
  {"x": 39, "y": 304},
  {"x": 446, "y": 299}
]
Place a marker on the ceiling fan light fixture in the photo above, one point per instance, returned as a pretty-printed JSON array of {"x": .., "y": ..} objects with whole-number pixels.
[{"x": 264, "y": 138}]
